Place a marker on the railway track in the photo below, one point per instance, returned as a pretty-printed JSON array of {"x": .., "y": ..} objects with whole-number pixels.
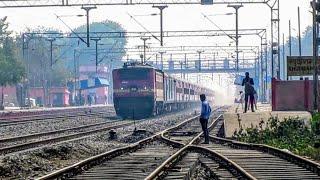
[
  {"x": 261, "y": 161},
  {"x": 41, "y": 142},
  {"x": 42, "y": 135},
  {"x": 46, "y": 117},
  {"x": 147, "y": 158},
  {"x": 36, "y": 140},
  {"x": 184, "y": 163},
  {"x": 176, "y": 154}
]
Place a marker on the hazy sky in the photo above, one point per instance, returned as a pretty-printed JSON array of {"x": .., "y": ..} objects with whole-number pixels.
[{"x": 179, "y": 17}]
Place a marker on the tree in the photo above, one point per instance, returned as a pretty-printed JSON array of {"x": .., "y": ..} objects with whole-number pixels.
[
  {"x": 37, "y": 50},
  {"x": 11, "y": 69},
  {"x": 37, "y": 58},
  {"x": 306, "y": 44},
  {"x": 106, "y": 45}
]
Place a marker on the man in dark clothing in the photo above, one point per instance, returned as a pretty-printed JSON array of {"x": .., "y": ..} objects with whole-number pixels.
[
  {"x": 204, "y": 117},
  {"x": 247, "y": 82}
]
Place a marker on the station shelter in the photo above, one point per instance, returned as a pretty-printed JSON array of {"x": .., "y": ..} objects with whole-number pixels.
[
  {"x": 58, "y": 96},
  {"x": 94, "y": 91}
]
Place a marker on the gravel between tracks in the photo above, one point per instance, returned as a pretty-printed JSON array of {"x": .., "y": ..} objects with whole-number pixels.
[
  {"x": 38, "y": 162},
  {"x": 201, "y": 172}
]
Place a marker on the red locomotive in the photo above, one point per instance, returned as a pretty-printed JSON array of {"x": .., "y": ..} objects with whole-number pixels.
[{"x": 140, "y": 91}]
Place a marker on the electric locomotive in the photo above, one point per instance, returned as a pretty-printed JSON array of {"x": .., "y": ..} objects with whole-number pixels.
[{"x": 140, "y": 91}]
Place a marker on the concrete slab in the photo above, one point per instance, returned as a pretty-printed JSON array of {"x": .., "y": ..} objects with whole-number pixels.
[{"x": 234, "y": 118}]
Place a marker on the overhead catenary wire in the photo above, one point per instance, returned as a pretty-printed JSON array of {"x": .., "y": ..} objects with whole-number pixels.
[
  {"x": 106, "y": 54},
  {"x": 154, "y": 36},
  {"x": 71, "y": 29},
  {"x": 205, "y": 16}
]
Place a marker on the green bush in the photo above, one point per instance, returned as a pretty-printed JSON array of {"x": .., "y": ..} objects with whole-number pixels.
[
  {"x": 291, "y": 134},
  {"x": 315, "y": 123}
]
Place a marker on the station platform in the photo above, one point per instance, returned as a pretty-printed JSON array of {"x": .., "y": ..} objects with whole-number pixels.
[{"x": 234, "y": 117}]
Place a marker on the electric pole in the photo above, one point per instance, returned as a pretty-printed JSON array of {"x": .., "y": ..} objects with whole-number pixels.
[
  {"x": 186, "y": 66},
  {"x": 161, "y": 8},
  {"x": 284, "y": 57},
  {"x": 87, "y": 9},
  {"x": 144, "y": 39},
  {"x": 51, "y": 68},
  {"x": 316, "y": 9},
  {"x": 290, "y": 49},
  {"x": 97, "y": 63},
  {"x": 199, "y": 68},
  {"x": 181, "y": 70},
  {"x": 237, "y": 7},
  {"x": 299, "y": 29},
  {"x": 161, "y": 59}
]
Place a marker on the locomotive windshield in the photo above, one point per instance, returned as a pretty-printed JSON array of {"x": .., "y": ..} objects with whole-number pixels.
[{"x": 133, "y": 74}]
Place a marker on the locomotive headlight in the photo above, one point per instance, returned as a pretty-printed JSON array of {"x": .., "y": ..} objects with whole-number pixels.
[{"x": 145, "y": 88}]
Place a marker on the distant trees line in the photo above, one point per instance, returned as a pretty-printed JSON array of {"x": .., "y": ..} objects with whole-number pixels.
[
  {"x": 31, "y": 66},
  {"x": 12, "y": 70}
]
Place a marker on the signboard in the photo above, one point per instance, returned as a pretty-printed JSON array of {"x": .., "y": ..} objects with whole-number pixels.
[
  {"x": 238, "y": 80},
  {"x": 300, "y": 65},
  {"x": 206, "y": 2}
]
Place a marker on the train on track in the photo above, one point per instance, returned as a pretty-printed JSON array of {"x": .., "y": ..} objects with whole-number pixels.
[{"x": 140, "y": 91}]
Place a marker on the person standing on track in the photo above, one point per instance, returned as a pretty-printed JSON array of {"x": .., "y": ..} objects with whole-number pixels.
[
  {"x": 247, "y": 82},
  {"x": 204, "y": 117}
]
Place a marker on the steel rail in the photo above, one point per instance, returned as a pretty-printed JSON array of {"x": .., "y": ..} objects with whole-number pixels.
[
  {"x": 306, "y": 163},
  {"x": 6, "y": 121},
  {"x": 160, "y": 169},
  {"x": 16, "y": 114},
  {"x": 157, "y": 173},
  {"x": 89, "y": 162},
  {"x": 20, "y": 147},
  {"x": 29, "y": 136},
  {"x": 53, "y": 117},
  {"x": 225, "y": 160}
]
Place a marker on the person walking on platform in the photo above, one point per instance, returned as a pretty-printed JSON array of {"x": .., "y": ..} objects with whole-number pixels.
[
  {"x": 241, "y": 100},
  {"x": 204, "y": 117},
  {"x": 248, "y": 83}
]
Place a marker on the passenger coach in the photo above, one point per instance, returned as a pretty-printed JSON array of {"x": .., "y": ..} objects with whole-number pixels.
[{"x": 140, "y": 91}]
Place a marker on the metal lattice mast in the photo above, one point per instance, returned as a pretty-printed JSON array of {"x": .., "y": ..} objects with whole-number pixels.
[{"x": 275, "y": 37}]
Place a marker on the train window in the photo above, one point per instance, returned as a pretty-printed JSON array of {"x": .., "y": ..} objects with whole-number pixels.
[
  {"x": 186, "y": 91},
  {"x": 133, "y": 74}
]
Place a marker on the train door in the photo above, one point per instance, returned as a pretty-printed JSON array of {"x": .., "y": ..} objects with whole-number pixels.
[
  {"x": 159, "y": 94},
  {"x": 179, "y": 91},
  {"x": 186, "y": 91},
  {"x": 166, "y": 88}
]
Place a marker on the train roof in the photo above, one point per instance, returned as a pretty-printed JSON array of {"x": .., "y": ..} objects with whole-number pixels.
[
  {"x": 183, "y": 80},
  {"x": 136, "y": 65},
  {"x": 129, "y": 65}
]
